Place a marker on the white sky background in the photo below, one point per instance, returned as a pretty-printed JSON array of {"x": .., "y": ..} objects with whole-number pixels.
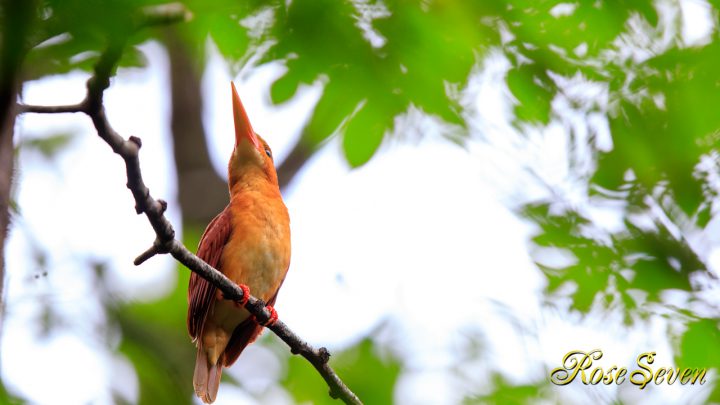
[{"x": 424, "y": 218}]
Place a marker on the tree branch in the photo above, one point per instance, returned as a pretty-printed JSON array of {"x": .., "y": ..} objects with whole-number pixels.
[
  {"x": 165, "y": 241},
  {"x": 52, "y": 109},
  {"x": 295, "y": 160},
  {"x": 202, "y": 192}
]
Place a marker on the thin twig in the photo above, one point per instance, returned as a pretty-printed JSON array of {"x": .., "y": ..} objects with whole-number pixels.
[
  {"x": 165, "y": 241},
  {"x": 52, "y": 109}
]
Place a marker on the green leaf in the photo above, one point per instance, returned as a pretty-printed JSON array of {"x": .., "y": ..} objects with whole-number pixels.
[
  {"x": 133, "y": 57},
  {"x": 363, "y": 136},
  {"x": 700, "y": 345},
  {"x": 700, "y": 349},
  {"x": 530, "y": 86},
  {"x": 48, "y": 146},
  {"x": 335, "y": 105}
]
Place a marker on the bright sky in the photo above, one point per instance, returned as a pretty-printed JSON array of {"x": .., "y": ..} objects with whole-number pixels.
[{"x": 425, "y": 218}]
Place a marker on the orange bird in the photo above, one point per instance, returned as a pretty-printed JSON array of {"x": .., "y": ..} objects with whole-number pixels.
[{"x": 249, "y": 241}]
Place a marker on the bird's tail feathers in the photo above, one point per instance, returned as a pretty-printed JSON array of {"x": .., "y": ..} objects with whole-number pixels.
[{"x": 206, "y": 379}]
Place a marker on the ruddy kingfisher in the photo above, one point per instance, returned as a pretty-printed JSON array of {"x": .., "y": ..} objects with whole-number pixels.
[{"x": 249, "y": 241}]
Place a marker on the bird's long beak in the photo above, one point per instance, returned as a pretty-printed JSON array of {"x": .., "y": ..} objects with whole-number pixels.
[{"x": 243, "y": 129}]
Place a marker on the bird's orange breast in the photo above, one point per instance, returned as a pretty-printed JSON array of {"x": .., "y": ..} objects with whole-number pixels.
[{"x": 258, "y": 252}]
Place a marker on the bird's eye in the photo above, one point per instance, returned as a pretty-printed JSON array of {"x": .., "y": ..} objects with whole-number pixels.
[{"x": 267, "y": 152}]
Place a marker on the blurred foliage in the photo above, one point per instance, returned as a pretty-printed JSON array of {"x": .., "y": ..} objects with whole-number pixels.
[
  {"x": 505, "y": 392},
  {"x": 155, "y": 340},
  {"x": 48, "y": 146},
  {"x": 370, "y": 376},
  {"x": 698, "y": 345},
  {"x": 8, "y": 398},
  {"x": 377, "y": 59},
  {"x": 659, "y": 174}
]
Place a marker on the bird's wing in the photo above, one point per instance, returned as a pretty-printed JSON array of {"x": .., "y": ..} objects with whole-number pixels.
[
  {"x": 201, "y": 294},
  {"x": 244, "y": 334}
]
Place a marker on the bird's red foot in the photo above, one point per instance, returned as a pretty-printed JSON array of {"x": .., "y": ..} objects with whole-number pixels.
[
  {"x": 246, "y": 296},
  {"x": 240, "y": 304},
  {"x": 273, "y": 317}
]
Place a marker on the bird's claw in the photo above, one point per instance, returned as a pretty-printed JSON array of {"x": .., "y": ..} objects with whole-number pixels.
[
  {"x": 241, "y": 303},
  {"x": 246, "y": 296},
  {"x": 272, "y": 319}
]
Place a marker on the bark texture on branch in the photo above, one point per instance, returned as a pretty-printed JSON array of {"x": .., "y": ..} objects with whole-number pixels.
[{"x": 165, "y": 241}]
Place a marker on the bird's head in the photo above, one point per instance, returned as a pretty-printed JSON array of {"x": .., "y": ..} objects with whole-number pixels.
[{"x": 251, "y": 163}]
